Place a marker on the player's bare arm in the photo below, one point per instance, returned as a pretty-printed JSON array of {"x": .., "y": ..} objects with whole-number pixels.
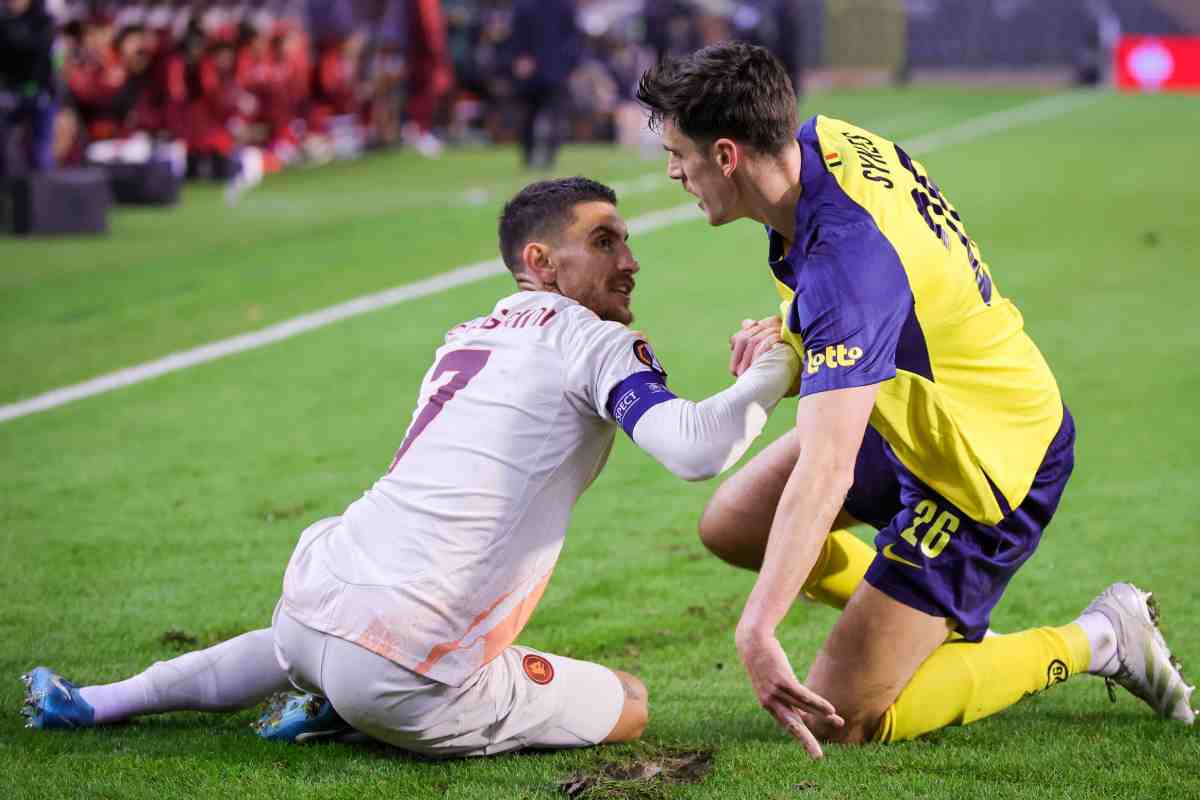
[{"x": 831, "y": 425}]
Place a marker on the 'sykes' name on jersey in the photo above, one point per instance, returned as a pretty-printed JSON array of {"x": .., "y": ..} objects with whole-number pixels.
[
  {"x": 873, "y": 162},
  {"x": 832, "y": 357}
]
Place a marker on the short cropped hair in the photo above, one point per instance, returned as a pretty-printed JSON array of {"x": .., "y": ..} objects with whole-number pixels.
[
  {"x": 728, "y": 90},
  {"x": 543, "y": 209}
]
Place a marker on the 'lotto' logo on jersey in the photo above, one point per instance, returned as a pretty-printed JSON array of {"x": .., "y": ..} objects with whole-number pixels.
[{"x": 832, "y": 356}]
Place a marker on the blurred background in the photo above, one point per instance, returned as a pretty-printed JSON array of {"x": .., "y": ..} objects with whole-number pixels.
[{"x": 154, "y": 93}]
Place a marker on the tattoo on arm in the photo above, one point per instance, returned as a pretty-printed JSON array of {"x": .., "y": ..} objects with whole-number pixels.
[{"x": 632, "y": 690}]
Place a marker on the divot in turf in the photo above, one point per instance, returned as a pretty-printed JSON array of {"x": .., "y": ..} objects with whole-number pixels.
[{"x": 644, "y": 778}]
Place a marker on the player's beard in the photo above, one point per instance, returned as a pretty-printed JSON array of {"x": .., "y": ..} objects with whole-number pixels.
[{"x": 619, "y": 308}]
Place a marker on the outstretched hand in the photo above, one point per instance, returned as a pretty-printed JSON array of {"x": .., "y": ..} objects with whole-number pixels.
[
  {"x": 778, "y": 691},
  {"x": 755, "y": 338}
]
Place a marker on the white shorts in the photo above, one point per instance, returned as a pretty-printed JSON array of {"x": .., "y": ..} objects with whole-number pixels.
[{"x": 522, "y": 698}]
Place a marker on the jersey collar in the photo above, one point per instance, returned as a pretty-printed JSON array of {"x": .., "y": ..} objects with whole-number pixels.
[{"x": 811, "y": 173}]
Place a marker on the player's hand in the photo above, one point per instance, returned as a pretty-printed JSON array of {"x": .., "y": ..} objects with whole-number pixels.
[
  {"x": 754, "y": 339},
  {"x": 778, "y": 691}
]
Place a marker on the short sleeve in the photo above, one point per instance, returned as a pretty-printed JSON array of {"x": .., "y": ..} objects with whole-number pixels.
[{"x": 851, "y": 305}]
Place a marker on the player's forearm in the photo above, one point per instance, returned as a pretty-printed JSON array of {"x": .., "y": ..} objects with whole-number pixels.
[
  {"x": 699, "y": 440},
  {"x": 806, "y": 512}
]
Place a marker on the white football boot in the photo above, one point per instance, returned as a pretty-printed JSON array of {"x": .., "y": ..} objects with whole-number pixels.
[{"x": 1144, "y": 664}]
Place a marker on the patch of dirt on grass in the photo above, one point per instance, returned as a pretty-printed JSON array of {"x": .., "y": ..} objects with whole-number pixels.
[
  {"x": 178, "y": 639},
  {"x": 272, "y": 512},
  {"x": 645, "y": 777},
  {"x": 181, "y": 640}
]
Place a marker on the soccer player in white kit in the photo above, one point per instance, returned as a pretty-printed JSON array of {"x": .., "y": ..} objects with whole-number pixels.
[{"x": 403, "y": 612}]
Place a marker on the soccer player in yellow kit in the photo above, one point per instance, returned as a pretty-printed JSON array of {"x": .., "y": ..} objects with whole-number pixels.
[{"x": 925, "y": 410}]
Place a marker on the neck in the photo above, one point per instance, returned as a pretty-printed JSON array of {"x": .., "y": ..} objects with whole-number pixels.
[
  {"x": 527, "y": 282},
  {"x": 772, "y": 189}
]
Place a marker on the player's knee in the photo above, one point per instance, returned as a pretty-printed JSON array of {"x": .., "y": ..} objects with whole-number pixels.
[
  {"x": 726, "y": 539},
  {"x": 635, "y": 712},
  {"x": 715, "y": 529},
  {"x": 710, "y": 529},
  {"x": 854, "y": 731}
]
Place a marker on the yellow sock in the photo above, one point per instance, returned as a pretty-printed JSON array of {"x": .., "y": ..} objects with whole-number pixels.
[
  {"x": 963, "y": 681},
  {"x": 839, "y": 569}
]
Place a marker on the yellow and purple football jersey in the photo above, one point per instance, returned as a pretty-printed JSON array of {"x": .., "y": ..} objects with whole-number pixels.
[{"x": 882, "y": 284}]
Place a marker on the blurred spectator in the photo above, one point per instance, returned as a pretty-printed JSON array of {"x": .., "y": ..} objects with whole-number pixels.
[
  {"x": 217, "y": 108},
  {"x": 27, "y": 90},
  {"x": 291, "y": 46},
  {"x": 261, "y": 72},
  {"x": 387, "y": 72},
  {"x": 94, "y": 76},
  {"x": 670, "y": 30},
  {"x": 1093, "y": 61},
  {"x": 338, "y": 94},
  {"x": 430, "y": 74},
  {"x": 546, "y": 46},
  {"x": 320, "y": 79}
]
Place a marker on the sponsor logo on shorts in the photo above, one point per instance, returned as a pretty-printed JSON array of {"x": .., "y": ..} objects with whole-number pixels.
[
  {"x": 832, "y": 357},
  {"x": 645, "y": 354},
  {"x": 537, "y": 669},
  {"x": 1055, "y": 673},
  {"x": 890, "y": 554}
]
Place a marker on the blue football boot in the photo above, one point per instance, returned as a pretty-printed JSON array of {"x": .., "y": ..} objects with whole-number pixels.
[
  {"x": 53, "y": 702},
  {"x": 299, "y": 717}
]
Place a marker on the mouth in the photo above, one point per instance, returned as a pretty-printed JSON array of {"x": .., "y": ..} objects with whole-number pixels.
[{"x": 624, "y": 289}]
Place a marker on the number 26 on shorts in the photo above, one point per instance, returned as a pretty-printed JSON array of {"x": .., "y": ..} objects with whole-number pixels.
[{"x": 937, "y": 534}]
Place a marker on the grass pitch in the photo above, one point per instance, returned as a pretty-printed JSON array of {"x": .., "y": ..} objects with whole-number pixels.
[{"x": 157, "y": 518}]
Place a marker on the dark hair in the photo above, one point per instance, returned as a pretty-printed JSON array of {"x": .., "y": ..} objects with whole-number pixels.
[
  {"x": 730, "y": 89},
  {"x": 136, "y": 29},
  {"x": 544, "y": 209}
]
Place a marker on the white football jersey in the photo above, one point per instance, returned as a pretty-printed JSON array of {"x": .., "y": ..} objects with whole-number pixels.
[{"x": 440, "y": 564}]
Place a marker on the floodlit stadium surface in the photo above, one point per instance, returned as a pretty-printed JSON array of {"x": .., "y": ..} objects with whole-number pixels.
[{"x": 173, "y": 505}]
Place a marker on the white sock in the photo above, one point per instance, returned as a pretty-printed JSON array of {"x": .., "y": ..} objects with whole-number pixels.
[
  {"x": 228, "y": 676},
  {"x": 1103, "y": 639}
]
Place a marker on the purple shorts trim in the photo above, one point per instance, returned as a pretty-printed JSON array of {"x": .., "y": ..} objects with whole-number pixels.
[{"x": 966, "y": 576}]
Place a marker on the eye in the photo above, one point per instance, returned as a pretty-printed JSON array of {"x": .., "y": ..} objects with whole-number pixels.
[{"x": 604, "y": 243}]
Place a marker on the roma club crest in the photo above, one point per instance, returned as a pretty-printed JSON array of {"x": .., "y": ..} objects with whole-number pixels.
[{"x": 537, "y": 669}]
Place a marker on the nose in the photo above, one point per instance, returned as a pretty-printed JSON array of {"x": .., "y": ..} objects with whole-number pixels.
[
  {"x": 629, "y": 263},
  {"x": 674, "y": 171}
]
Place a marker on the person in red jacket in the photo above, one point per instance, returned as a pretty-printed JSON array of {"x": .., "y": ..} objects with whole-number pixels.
[
  {"x": 215, "y": 107},
  {"x": 430, "y": 75},
  {"x": 261, "y": 73},
  {"x": 335, "y": 84},
  {"x": 94, "y": 76}
]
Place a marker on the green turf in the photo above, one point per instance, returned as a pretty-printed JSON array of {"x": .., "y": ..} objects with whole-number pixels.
[{"x": 175, "y": 504}]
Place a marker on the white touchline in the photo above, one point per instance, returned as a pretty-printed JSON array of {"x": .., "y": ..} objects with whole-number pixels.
[{"x": 975, "y": 128}]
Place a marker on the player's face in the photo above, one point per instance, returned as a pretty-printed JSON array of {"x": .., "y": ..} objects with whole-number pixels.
[
  {"x": 595, "y": 266},
  {"x": 695, "y": 166}
]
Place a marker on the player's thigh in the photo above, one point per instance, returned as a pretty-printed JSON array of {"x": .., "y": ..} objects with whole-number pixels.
[
  {"x": 869, "y": 657},
  {"x": 551, "y": 701},
  {"x": 737, "y": 520},
  {"x": 522, "y": 698},
  {"x": 746, "y": 500}
]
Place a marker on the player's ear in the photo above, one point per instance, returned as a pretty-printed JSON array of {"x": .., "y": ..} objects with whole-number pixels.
[
  {"x": 727, "y": 155},
  {"x": 536, "y": 257}
]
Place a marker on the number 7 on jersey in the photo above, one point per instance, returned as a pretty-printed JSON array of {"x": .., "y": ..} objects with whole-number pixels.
[{"x": 465, "y": 364}]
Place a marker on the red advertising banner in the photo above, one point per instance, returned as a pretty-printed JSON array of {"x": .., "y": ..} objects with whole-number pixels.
[{"x": 1158, "y": 63}]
